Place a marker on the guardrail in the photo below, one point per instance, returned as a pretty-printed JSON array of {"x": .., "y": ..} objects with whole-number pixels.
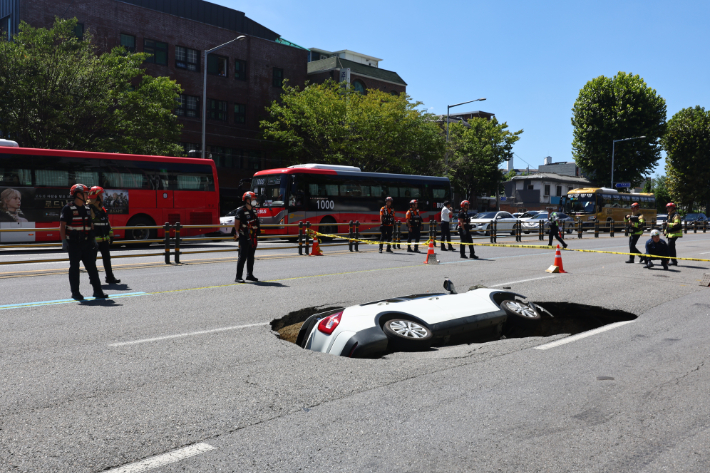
[{"x": 174, "y": 245}]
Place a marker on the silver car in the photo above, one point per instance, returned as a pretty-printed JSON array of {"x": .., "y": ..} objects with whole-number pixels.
[{"x": 533, "y": 224}]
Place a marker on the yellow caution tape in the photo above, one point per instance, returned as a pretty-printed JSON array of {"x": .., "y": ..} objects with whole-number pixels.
[{"x": 501, "y": 245}]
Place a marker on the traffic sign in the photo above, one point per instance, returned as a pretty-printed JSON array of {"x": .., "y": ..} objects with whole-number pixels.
[
  {"x": 622, "y": 185},
  {"x": 503, "y": 199}
]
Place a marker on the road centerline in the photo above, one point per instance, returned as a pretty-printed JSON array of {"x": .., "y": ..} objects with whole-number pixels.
[
  {"x": 164, "y": 459},
  {"x": 582, "y": 335},
  {"x": 187, "y": 334}
]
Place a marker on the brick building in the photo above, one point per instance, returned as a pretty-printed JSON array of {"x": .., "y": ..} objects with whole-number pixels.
[
  {"x": 243, "y": 77},
  {"x": 365, "y": 72}
]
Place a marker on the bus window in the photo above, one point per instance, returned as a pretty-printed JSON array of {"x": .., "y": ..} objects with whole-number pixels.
[
  {"x": 439, "y": 193},
  {"x": 393, "y": 191},
  {"x": 11, "y": 176},
  {"x": 51, "y": 178},
  {"x": 377, "y": 192},
  {"x": 125, "y": 180},
  {"x": 88, "y": 178}
]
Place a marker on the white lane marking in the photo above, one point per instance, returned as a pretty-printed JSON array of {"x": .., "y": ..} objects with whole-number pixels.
[
  {"x": 579, "y": 336},
  {"x": 190, "y": 334},
  {"x": 706, "y": 253},
  {"x": 524, "y": 280},
  {"x": 164, "y": 459}
]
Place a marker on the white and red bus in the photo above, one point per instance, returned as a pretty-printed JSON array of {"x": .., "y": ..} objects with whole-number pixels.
[
  {"x": 140, "y": 191},
  {"x": 335, "y": 195}
]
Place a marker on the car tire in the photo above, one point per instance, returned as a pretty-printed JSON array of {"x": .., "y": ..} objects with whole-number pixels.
[
  {"x": 520, "y": 314},
  {"x": 407, "y": 335},
  {"x": 136, "y": 234}
]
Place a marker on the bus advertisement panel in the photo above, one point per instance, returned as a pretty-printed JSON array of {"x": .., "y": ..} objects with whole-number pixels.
[
  {"x": 335, "y": 195},
  {"x": 600, "y": 204},
  {"x": 139, "y": 191}
]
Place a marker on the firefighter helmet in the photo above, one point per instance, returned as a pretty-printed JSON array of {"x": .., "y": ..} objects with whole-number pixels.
[
  {"x": 670, "y": 205},
  {"x": 635, "y": 205},
  {"x": 78, "y": 188},
  {"x": 655, "y": 233},
  {"x": 248, "y": 195},
  {"x": 413, "y": 202},
  {"x": 465, "y": 202},
  {"x": 389, "y": 199},
  {"x": 95, "y": 191}
]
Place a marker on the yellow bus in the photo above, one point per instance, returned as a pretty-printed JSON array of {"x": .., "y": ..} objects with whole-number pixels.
[{"x": 604, "y": 205}]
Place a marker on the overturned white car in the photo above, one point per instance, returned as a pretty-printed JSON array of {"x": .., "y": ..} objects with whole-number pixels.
[{"x": 415, "y": 321}]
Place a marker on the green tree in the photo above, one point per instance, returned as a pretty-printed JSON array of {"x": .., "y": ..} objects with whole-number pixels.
[
  {"x": 660, "y": 191},
  {"x": 614, "y": 108},
  {"x": 511, "y": 174},
  {"x": 376, "y": 131},
  {"x": 477, "y": 152},
  {"x": 56, "y": 92},
  {"x": 687, "y": 144}
]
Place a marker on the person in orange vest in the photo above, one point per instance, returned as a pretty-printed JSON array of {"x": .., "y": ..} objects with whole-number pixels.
[
  {"x": 414, "y": 225},
  {"x": 77, "y": 233},
  {"x": 103, "y": 230},
  {"x": 386, "y": 224}
]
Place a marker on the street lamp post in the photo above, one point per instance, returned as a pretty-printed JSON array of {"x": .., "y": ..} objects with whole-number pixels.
[
  {"x": 204, "y": 91},
  {"x": 449, "y": 107},
  {"x": 613, "y": 145}
]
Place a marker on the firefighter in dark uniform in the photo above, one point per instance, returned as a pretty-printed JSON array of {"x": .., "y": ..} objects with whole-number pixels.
[
  {"x": 555, "y": 230},
  {"x": 386, "y": 224},
  {"x": 246, "y": 231},
  {"x": 465, "y": 231},
  {"x": 77, "y": 234},
  {"x": 674, "y": 230},
  {"x": 635, "y": 223},
  {"x": 102, "y": 230},
  {"x": 414, "y": 226}
]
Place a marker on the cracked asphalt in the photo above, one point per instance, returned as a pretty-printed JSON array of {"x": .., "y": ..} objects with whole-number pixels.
[{"x": 188, "y": 358}]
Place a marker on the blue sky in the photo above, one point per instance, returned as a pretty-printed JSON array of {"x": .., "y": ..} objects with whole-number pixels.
[{"x": 528, "y": 58}]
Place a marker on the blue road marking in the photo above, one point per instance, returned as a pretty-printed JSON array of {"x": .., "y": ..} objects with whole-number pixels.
[{"x": 66, "y": 301}]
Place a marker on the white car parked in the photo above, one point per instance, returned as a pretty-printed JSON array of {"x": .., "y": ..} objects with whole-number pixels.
[
  {"x": 413, "y": 322},
  {"x": 504, "y": 221},
  {"x": 228, "y": 219}
]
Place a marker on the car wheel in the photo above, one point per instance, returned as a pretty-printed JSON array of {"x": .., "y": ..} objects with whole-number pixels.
[
  {"x": 520, "y": 314},
  {"x": 406, "y": 334},
  {"x": 140, "y": 234}
]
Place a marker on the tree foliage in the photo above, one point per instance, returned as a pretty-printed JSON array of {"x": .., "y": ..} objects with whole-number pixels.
[
  {"x": 56, "y": 92},
  {"x": 376, "y": 131},
  {"x": 477, "y": 152},
  {"x": 660, "y": 191},
  {"x": 687, "y": 144},
  {"x": 614, "y": 108}
]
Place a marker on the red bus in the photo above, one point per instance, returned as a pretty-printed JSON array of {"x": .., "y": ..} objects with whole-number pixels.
[
  {"x": 334, "y": 195},
  {"x": 140, "y": 191}
]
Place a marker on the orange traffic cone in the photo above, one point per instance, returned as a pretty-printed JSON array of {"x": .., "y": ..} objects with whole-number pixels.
[
  {"x": 431, "y": 254},
  {"x": 316, "y": 251},
  {"x": 557, "y": 266}
]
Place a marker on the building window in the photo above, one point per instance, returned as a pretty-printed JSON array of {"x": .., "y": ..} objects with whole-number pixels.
[
  {"x": 217, "y": 109},
  {"x": 226, "y": 157},
  {"x": 79, "y": 30},
  {"x": 186, "y": 58},
  {"x": 278, "y": 77},
  {"x": 158, "y": 50},
  {"x": 547, "y": 189},
  {"x": 6, "y": 28},
  {"x": 240, "y": 70},
  {"x": 188, "y": 106},
  {"x": 255, "y": 160},
  {"x": 217, "y": 65},
  {"x": 129, "y": 42},
  {"x": 359, "y": 86},
  {"x": 240, "y": 113},
  {"x": 559, "y": 191}
]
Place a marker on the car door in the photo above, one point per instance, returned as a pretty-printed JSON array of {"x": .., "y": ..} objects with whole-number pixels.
[{"x": 505, "y": 221}]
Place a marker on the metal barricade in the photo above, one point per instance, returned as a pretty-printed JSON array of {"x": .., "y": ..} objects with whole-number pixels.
[
  {"x": 177, "y": 242},
  {"x": 308, "y": 238},
  {"x": 166, "y": 229},
  {"x": 580, "y": 229},
  {"x": 541, "y": 230},
  {"x": 357, "y": 235}
]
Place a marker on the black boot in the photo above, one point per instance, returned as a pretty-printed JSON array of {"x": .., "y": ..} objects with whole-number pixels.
[
  {"x": 451, "y": 248},
  {"x": 674, "y": 262},
  {"x": 443, "y": 248},
  {"x": 464, "y": 256},
  {"x": 112, "y": 280},
  {"x": 252, "y": 278},
  {"x": 630, "y": 260},
  {"x": 409, "y": 249},
  {"x": 665, "y": 265},
  {"x": 100, "y": 295},
  {"x": 77, "y": 296}
]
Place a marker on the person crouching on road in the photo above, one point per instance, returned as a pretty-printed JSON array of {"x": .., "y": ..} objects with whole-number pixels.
[
  {"x": 635, "y": 223},
  {"x": 465, "y": 231},
  {"x": 657, "y": 247},
  {"x": 246, "y": 231},
  {"x": 446, "y": 227},
  {"x": 102, "y": 230},
  {"x": 414, "y": 226},
  {"x": 386, "y": 224},
  {"x": 555, "y": 230},
  {"x": 674, "y": 230},
  {"x": 77, "y": 234}
]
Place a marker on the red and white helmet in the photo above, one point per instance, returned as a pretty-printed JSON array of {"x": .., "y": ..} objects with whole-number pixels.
[
  {"x": 670, "y": 205},
  {"x": 248, "y": 195},
  {"x": 389, "y": 199},
  {"x": 78, "y": 188},
  {"x": 635, "y": 205},
  {"x": 465, "y": 202},
  {"x": 95, "y": 191},
  {"x": 413, "y": 202}
]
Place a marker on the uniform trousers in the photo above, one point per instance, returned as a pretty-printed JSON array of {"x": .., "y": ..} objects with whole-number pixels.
[
  {"x": 246, "y": 255},
  {"x": 413, "y": 235},
  {"x": 83, "y": 251},
  {"x": 633, "y": 239},
  {"x": 466, "y": 237},
  {"x": 104, "y": 248},
  {"x": 446, "y": 232},
  {"x": 555, "y": 232},
  {"x": 671, "y": 249},
  {"x": 386, "y": 235}
]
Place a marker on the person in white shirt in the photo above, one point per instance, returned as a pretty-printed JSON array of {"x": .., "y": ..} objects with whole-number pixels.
[{"x": 446, "y": 227}]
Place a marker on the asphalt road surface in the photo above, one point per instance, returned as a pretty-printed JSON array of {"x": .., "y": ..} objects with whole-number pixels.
[{"x": 180, "y": 371}]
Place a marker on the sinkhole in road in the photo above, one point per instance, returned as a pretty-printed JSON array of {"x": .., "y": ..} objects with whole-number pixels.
[{"x": 557, "y": 318}]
